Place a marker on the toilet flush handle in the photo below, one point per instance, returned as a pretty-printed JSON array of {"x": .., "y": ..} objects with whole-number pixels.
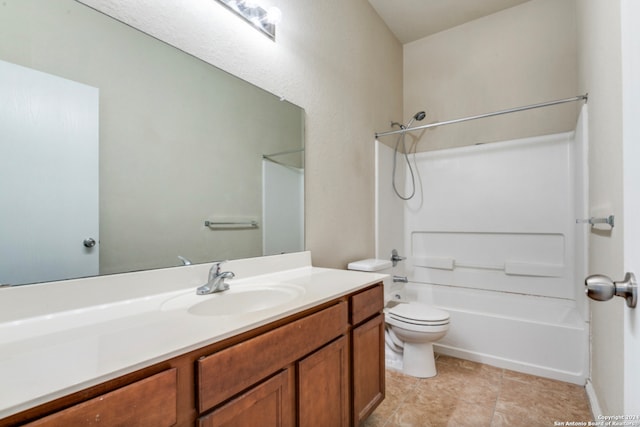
[
  {"x": 395, "y": 258},
  {"x": 601, "y": 288}
]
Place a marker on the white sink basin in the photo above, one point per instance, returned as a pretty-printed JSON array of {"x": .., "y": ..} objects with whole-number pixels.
[{"x": 237, "y": 300}]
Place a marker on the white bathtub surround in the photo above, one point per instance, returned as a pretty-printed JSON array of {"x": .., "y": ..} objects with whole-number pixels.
[
  {"x": 62, "y": 337},
  {"x": 492, "y": 238}
]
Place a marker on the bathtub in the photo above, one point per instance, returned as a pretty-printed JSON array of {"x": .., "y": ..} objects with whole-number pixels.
[{"x": 541, "y": 336}]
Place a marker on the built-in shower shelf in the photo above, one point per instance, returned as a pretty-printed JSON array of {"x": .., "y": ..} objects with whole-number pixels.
[{"x": 513, "y": 268}]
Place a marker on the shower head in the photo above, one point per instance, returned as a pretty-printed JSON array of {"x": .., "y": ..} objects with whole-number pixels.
[{"x": 420, "y": 115}]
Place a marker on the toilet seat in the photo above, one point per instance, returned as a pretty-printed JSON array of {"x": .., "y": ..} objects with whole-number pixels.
[{"x": 415, "y": 313}]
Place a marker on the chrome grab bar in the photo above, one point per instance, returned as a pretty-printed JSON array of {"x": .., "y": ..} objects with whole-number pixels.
[{"x": 253, "y": 224}]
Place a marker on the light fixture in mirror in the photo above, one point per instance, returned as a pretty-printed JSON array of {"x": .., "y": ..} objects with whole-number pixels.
[
  {"x": 265, "y": 20},
  {"x": 162, "y": 152}
]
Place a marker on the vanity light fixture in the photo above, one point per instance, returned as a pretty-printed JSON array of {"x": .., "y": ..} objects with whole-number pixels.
[{"x": 264, "y": 20}]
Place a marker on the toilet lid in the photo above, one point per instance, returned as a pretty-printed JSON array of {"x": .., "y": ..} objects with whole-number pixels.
[{"x": 415, "y": 312}]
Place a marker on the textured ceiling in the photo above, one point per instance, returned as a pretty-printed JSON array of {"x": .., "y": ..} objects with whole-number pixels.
[{"x": 414, "y": 19}]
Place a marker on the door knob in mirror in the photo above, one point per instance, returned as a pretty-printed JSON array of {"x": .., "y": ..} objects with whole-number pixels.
[{"x": 601, "y": 288}]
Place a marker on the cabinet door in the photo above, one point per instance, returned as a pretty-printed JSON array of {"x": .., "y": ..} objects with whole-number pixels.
[
  {"x": 323, "y": 387},
  {"x": 368, "y": 367},
  {"x": 266, "y": 405}
]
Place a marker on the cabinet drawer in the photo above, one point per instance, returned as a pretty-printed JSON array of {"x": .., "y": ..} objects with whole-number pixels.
[
  {"x": 229, "y": 371},
  {"x": 366, "y": 304},
  {"x": 149, "y": 402}
]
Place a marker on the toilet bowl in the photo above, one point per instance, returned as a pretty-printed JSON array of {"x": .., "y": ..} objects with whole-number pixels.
[
  {"x": 417, "y": 326},
  {"x": 411, "y": 327}
]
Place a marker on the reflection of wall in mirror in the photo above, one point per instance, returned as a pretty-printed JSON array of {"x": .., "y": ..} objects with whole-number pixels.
[{"x": 167, "y": 109}]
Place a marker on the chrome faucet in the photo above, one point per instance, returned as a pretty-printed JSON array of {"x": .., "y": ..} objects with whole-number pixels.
[
  {"x": 216, "y": 281},
  {"x": 184, "y": 260}
]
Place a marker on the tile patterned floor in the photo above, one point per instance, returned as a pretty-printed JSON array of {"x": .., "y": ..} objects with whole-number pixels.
[{"x": 471, "y": 394}]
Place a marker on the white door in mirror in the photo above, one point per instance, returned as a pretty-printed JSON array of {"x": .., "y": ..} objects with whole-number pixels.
[{"x": 48, "y": 169}]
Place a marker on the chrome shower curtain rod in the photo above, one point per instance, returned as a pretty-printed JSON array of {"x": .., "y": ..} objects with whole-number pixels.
[
  {"x": 584, "y": 97},
  {"x": 297, "y": 150},
  {"x": 270, "y": 157}
]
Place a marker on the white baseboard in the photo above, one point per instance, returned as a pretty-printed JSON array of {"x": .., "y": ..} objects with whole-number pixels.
[{"x": 593, "y": 400}]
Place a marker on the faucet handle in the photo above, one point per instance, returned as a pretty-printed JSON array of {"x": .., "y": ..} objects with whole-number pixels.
[
  {"x": 216, "y": 266},
  {"x": 395, "y": 258}
]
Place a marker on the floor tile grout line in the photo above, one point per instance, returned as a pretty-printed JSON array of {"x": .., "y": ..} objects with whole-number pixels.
[
  {"x": 401, "y": 402},
  {"x": 495, "y": 404}
]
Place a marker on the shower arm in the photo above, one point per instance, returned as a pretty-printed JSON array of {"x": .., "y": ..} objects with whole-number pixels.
[{"x": 584, "y": 97}]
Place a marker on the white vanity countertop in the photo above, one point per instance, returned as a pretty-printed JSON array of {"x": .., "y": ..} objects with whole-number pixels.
[{"x": 62, "y": 337}]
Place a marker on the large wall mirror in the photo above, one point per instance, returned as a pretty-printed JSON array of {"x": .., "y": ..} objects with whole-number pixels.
[{"x": 121, "y": 153}]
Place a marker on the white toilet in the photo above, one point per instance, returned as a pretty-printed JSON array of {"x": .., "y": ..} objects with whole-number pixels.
[{"x": 411, "y": 327}]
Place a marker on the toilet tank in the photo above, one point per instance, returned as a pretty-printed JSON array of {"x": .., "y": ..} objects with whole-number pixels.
[{"x": 382, "y": 266}]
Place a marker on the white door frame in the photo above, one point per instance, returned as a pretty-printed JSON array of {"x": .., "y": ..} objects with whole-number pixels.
[{"x": 630, "y": 47}]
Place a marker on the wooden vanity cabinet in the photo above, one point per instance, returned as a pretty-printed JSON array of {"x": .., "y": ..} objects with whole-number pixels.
[
  {"x": 300, "y": 345},
  {"x": 233, "y": 369},
  {"x": 321, "y": 367}
]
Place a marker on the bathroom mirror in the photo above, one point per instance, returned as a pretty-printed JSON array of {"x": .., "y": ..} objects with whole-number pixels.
[{"x": 177, "y": 144}]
